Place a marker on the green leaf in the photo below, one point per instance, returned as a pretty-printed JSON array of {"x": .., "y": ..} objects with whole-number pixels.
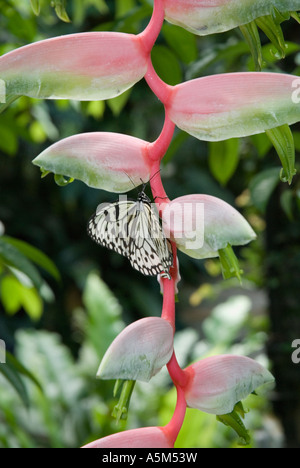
[
  {"x": 251, "y": 35},
  {"x": 118, "y": 103},
  {"x": 36, "y": 7},
  {"x": 21, "y": 369},
  {"x": 45, "y": 355},
  {"x": 104, "y": 314},
  {"x": 15, "y": 295},
  {"x": 283, "y": 141},
  {"x": 229, "y": 263},
  {"x": 123, "y": 7},
  {"x": 12, "y": 257},
  {"x": 280, "y": 16},
  {"x": 234, "y": 420},
  {"x": 10, "y": 373},
  {"x": 262, "y": 186},
  {"x": 96, "y": 108},
  {"x": 120, "y": 410},
  {"x": 222, "y": 327},
  {"x": 223, "y": 159},
  {"x": 273, "y": 31},
  {"x": 227, "y": 53},
  {"x": 270, "y": 54},
  {"x": 166, "y": 65},
  {"x": 35, "y": 255},
  {"x": 295, "y": 15},
  {"x": 182, "y": 42},
  {"x": 9, "y": 99},
  {"x": 60, "y": 9}
]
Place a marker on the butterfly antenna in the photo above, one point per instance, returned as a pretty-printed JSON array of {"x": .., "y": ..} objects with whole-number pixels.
[
  {"x": 154, "y": 175},
  {"x": 145, "y": 183},
  {"x": 134, "y": 186}
]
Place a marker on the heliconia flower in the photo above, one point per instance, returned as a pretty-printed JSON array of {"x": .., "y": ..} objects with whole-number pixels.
[
  {"x": 139, "y": 351},
  {"x": 145, "y": 437},
  {"x": 217, "y": 383},
  {"x": 219, "y": 107},
  {"x": 201, "y": 225},
  {"x": 204, "y": 17},
  {"x": 84, "y": 66},
  {"x": 109, "y": 161}
]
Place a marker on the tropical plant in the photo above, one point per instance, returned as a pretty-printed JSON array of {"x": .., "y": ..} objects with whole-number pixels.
[{"x": 211, "y": 108}]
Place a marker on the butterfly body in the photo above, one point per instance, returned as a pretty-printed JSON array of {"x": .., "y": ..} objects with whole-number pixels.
[{"x": 132, "y": 229}]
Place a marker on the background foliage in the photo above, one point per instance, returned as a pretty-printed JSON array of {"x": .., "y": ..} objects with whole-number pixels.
[{"x": 63, "y": 298}]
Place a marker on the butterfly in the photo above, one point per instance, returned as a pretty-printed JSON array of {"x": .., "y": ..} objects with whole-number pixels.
[{"x": 132, "y": 229}]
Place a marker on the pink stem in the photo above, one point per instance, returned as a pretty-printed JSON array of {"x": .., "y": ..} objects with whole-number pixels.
[
  {"x": 161, "y": 89},
  {"x": 159, "y": 147},
  {"x": 173, "y": 427},
  {"x": 168, "y": 308},
  {"x": 178, "y": 375},
  {"x": 156, "y": 151},
  {"x": 150, "y": 34}
]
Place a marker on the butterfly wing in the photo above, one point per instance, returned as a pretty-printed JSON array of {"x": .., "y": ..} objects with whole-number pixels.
[
  {"x": 109, "y": 225},
  {"x": 149, "y": 251},
  {"x": 132, "y": 229}
]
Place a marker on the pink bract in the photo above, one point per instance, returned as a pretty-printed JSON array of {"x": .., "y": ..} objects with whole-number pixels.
[
  {"x": 83, "y": 66},
  {"x": 148, "y": 437},
  {"x": 232, "y": 105},
  {"x": 205, "y": 17},
  {"x": 201, "y": 225},
  {"x": 110, "y": 161},
  {"x": 217, "y": 383},
  {"x": 139, "y": 351}
]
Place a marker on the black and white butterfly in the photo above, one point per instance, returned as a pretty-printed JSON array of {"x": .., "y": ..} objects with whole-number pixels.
[{"x": 132, "y": 228}]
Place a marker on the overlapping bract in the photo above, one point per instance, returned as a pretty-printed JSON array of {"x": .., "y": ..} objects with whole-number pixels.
[
  {"x": 201, "y": 225},
  {"x": 146, "y": 437},
  {"x": 139, "y": 351},
  {"x": 85, "y": 66},
  {"x": 217, "y": 383},
  {"x": 231, "y": 105},
  {"x": 205, "y": 17},
  {"x": 107, "y": 161}
]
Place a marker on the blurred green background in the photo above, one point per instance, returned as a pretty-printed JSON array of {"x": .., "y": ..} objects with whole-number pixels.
[{"x": 63, "y": 298}]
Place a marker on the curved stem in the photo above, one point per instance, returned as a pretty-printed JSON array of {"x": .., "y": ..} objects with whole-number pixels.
[
  {"x": 159, "y": 147},
  {"x": 173, "y": 427},
  {"x": 178, "y": 375},
  {"x": 151, "y": 32},
  {"x": 156, "y": 152},
  {"x": 161, "y": 89}
]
